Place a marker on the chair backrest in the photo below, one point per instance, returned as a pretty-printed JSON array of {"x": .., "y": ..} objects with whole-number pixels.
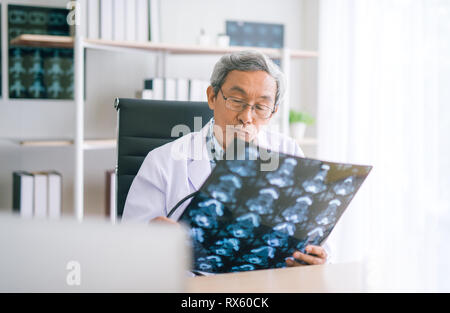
[{"x": 143, "y": 125}]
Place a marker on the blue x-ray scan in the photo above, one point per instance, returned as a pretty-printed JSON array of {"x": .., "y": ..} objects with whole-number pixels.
[{"x": 245, "y": 218}]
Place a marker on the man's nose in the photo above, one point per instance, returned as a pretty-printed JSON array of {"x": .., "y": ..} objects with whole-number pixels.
[{"x": 246, "y": 116}]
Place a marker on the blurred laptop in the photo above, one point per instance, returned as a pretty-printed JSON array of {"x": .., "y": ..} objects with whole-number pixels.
[{"x": 93, "y": 256}]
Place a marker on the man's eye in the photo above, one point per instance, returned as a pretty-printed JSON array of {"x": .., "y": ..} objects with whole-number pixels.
[
  {"x": 262, "y": 107},
  {"x": 237, "y": 101}
]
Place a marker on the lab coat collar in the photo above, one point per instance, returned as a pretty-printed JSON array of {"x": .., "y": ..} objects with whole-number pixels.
[{"x": 199, "y": 168}]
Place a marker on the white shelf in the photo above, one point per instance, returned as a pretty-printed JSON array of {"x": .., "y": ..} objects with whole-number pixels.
[
  {"x": 46, "y": 41},
  {"x": 100, "y": 144},
  {"x": 43, "y": 142},
  {"x": 79, "y": 44},
  {"x": 88, "y": 144},
  {"x": 68, "y": 42}
]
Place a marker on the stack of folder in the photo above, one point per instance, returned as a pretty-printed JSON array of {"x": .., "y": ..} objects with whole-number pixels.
[
  {"x": 37, "y": 194},
  {"x": 174, "y": 89}
]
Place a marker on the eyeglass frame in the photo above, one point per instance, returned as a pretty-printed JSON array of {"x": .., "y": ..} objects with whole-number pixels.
[{"x": 248, "y": 105}]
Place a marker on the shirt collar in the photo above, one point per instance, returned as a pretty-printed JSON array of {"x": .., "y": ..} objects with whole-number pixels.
[{"x": 214, "y": 148}]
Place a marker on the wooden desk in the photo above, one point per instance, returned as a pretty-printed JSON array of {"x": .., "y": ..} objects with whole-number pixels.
[{"x": 320, "y": 278}]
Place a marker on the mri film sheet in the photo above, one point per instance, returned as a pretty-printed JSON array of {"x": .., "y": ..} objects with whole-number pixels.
[{"x": 247, "y": 219}]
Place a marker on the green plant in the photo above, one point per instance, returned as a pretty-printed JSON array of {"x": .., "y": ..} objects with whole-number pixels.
[{"x": 300, "y": 117}]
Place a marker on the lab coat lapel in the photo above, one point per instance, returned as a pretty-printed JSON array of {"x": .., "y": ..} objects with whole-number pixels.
[
  {"x": 198, "y": 171},
  {"x": 199, "y": 165}
]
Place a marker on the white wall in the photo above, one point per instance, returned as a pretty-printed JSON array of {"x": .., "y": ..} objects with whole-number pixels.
[
  {"x": 110, "y": 75},
  {"x": 307, "y": 80}
]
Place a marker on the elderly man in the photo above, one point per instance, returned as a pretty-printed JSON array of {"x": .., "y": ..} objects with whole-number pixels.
[{"x": 246, "y": 91}]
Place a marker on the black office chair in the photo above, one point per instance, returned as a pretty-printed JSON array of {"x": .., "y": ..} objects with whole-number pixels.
[{"x": 143, "y": 125}]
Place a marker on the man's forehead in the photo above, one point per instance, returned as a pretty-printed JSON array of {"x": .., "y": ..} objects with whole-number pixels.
[
  {"x": 240, "y": 81},
  {"x": 249, "y": 75}
]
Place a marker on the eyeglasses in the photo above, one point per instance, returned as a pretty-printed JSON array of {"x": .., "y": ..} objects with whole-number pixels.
[{"x": 238, "y": 105}]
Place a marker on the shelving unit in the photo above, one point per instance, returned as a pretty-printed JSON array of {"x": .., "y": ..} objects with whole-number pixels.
[
  {"x": 98, "y": 144},
  {"x": 89, "y": 144},
  {"x": 69, "y": 42},
  {"x": 79, "y": 45}
]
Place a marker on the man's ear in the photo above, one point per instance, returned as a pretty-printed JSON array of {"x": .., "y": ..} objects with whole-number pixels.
[{"x": 211, "y": 97}]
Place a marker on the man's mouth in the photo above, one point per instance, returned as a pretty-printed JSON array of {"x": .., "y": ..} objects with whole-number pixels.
[
  {"x": 243, "y": 131},
  {"x": 249, "y": 129}
]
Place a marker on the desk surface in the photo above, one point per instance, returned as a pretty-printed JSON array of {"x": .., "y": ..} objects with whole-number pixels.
[{"x": 347, "y": 277}]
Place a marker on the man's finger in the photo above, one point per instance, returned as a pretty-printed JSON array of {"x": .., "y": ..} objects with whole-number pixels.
[
  {"x": 308, "y": 258},
  {"x": 291, "y": 263},
  {"x": 317, "y": 250},
  {"x": 164, "y": 220}
]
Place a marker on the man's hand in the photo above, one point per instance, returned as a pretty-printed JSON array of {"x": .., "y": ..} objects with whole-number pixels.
[
  {"x": 316, "y": 255},
  {"x": 163, "y": 219}
]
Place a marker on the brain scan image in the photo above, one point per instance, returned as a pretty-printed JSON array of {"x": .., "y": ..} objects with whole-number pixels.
[
  {"x": 284, "y": 175},
  {"x": 242, "y": 168},
  {"x": 212, "y": 204},
  {"x": 329, "y": 215},
  {"x": 299, "y": 211},
  {"x": 244, "y": 226},
  {"x": 286, "y": 228},
  {"x": 276, "y": 239},
  {"x": 242, "y": 268},
  {"x": 260, "y": 255},
  {"x": 317, "y": 184},
  {"x": 263, "y": 204},
  {"x": 203, "y": 219},
  {"x": 226, "y": 246},
  {"x": 210, "y": 263},
  {"x": 250, "y": 218},
  {"x": 344, "y": 188},
  {"x": 226, "y": 187},
  {"x": 246, "y": 219},
  {"x": 197, "y": 234}
]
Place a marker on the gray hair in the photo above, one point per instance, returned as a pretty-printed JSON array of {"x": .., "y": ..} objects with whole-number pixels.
[{"x": 248, "y": 61}]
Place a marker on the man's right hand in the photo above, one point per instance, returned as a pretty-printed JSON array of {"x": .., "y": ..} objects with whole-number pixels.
[{"x": 164, "y": 219}]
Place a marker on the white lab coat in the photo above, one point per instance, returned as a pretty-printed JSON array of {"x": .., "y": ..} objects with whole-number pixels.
[{"x": 171, "y": 172}]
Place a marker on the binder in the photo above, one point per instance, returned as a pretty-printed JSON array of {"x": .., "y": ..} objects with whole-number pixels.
[
  {"x": 82, "y": 6},
  {"x": 23, "y": 197},
  {"x": 119, "y": 20},
  {"x": 54, "y": 194},
  {"x": 93, "y": 22},
  {"x": 158, "y": 88},
  {"x": 205, "y": 86},
  {"x": 106, "y": 19},
  {"x": 198, "y": 90},
  {"x": 153, "y": 89},
  {"x": 110, "y": 196},
  {"x": 142, "y": 20},
  {"x": 170, "y": 89},
  {"x": 130, "y": 20},
  {"x": 154, "y": 21},
  {"x": 40, "y": 194},
  {"x": 145, "y": 94},
  {"x": 183, "y": 89}
]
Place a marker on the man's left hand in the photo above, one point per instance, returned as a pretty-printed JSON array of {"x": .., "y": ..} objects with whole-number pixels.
[{"x": 315, "y": 255}]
